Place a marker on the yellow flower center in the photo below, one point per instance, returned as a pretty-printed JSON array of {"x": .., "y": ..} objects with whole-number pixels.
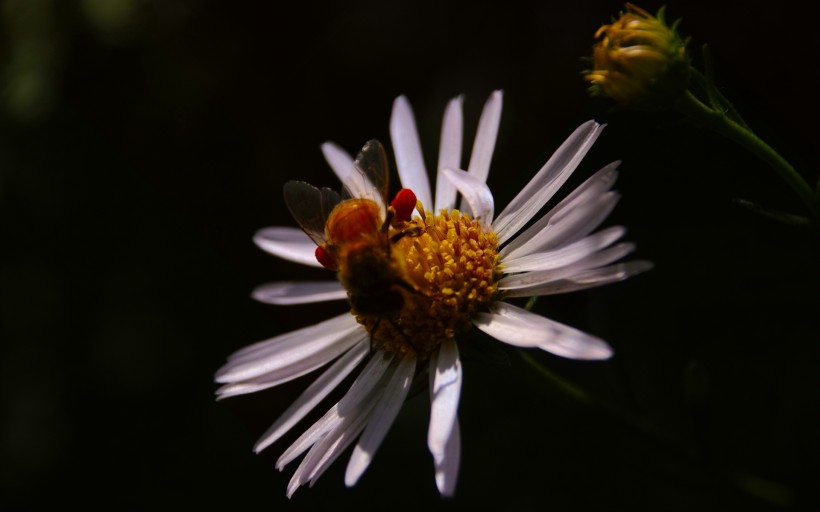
[{"x": 451, "y": 266}]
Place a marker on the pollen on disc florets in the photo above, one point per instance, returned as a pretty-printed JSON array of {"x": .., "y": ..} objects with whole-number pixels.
[{"x": 452, "y": 263}]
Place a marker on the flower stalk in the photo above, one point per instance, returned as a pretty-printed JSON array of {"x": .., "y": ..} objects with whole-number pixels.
[{"x": 717, "y": 121}]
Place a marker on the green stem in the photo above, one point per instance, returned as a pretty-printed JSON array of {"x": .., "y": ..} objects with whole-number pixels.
[
  {"x": 718, "y": 100},
  {"x": 786, "y": 218},
  {"x": 557, "y": 382},
  {"x": 721, "y": 124}
]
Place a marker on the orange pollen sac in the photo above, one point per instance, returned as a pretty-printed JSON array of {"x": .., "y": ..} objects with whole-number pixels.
[
  {"x": 323, "y": 257},
  {"x": 404, "y": 203}
]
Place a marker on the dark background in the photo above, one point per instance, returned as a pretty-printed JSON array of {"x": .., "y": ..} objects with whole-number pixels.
[{"x": 143, "y": 142}]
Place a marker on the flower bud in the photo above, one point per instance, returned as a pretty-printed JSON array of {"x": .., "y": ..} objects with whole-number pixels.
[{"x": 639, "y": 61}]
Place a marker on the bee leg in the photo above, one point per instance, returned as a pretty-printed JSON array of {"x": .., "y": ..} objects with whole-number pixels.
[
  {"x": 401, "y": 332},
  {"x": 409, "y": 287},
  {"x": 372, "y": 334},
  {"x": 414, "y": 231},
  {"x": 396, "y": 326}
]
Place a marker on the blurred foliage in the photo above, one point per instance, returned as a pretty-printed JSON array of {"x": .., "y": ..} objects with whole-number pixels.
[{"x": 31, "y": 70}]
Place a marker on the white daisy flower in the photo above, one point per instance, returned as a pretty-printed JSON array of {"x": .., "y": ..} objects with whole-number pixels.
[{"x": 453, "y": 270}]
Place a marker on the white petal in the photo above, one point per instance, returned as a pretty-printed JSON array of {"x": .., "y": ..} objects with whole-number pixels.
[
  {"x": 447, "y": 468},
  {"x": 299, "y": 292},
  {"x": 381, "y": 419},
  {"x": 374, "y": 370},
  {"x": 350, "y": 425},
  {"x": 347, "y": 407},
  {"x": 296, "y": 337},
  {"x": 295, "y": 369},
  {"x": 484, "y": 144},
  {"x": 547, "y": 181},
  {"x": 314, "y": 394},
  {"x": 565, "y": 255},
  {"x": 340, "y": 161},
  {"x": 329, "y": 448},
  {"x": 475, "y": 192},
  {"x": 407, "y": 148},
  {"x": 579, "y": 202},
  {"x": 286, "y": 349},
  {"x": 599, "y": 259},
  {"x": 343, "y": 166},
  {"x": 310, "y": 437},
  {"x": 445, "y": 392},
  {"x": 572, "y": 224},
  {"x": 288, "y": 243},
  {"x": 336, "y": 443},
  {"x": 521, "y": 328},
  {"x": 582, "y": 281},
  {"x": 485, "y": 138},
  {"x": 569, "y": 224},
  {"x": 449, "y": 156}
]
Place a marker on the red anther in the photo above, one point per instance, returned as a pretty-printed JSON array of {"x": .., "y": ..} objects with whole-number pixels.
[
  {"x": 404, "y": 203},
  {"x": 323, "y": 257}
]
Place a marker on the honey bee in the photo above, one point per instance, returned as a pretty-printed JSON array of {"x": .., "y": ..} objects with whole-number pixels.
[{"x": 353, "y": 234}]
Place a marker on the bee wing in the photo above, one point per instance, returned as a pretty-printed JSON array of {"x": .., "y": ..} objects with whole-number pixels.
[
  {"x": 371, "y": 163},
  {"x": 310, "y": 206}
]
